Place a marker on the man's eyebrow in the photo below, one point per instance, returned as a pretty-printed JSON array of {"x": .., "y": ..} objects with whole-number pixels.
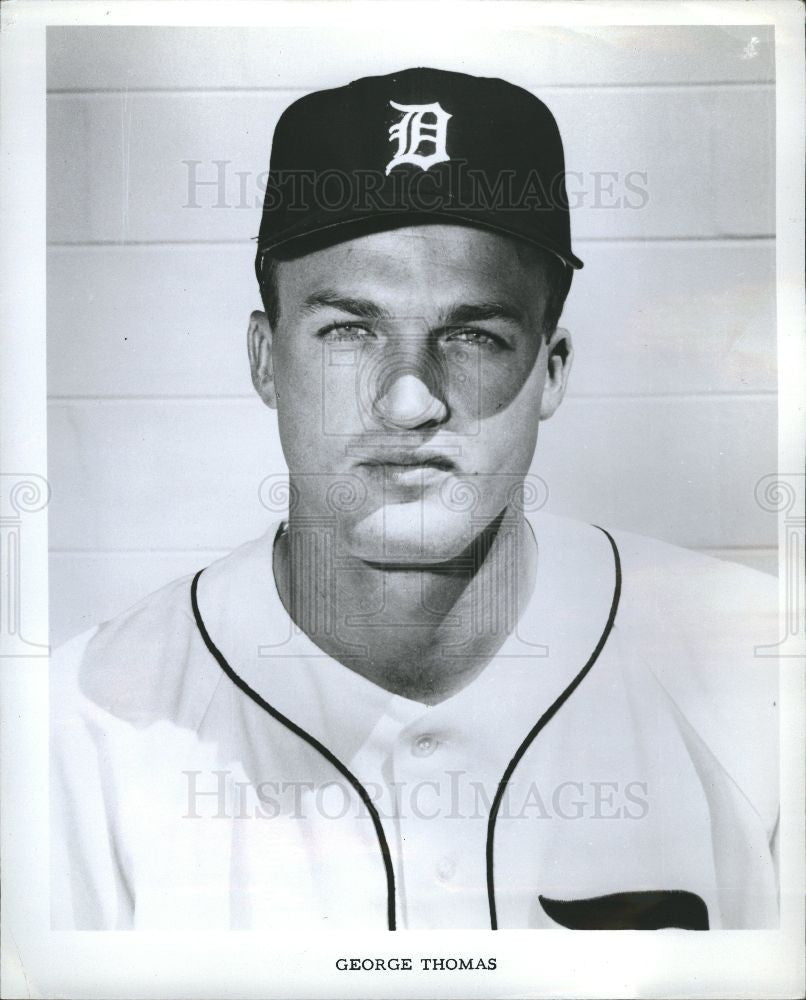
[
  {"x": 365, "y": 308},
  {"x": 481, "y": 311},
  {"x": 454, "y": 315}
]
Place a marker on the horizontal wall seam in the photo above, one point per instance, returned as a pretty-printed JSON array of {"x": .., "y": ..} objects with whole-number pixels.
[
  {"x": 70, "y": 400},
  {"x": 308, "y": 88},
  {"x": 581, "y": 241}
]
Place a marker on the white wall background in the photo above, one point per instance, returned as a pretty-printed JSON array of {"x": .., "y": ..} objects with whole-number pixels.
[{"x": 157, "y": 445}]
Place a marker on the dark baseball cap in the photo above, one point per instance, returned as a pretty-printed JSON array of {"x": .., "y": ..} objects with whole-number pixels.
[{"x": 416, "y": 145}]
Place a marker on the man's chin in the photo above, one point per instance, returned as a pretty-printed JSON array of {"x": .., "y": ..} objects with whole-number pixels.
[{"x": 415, "y": 534}]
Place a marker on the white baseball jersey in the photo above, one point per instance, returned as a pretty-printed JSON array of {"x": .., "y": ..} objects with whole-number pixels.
[{"x": 615, "y": 765}]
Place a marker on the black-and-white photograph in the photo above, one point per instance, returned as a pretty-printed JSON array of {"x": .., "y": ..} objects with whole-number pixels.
[{"x": 419, "y": 554}]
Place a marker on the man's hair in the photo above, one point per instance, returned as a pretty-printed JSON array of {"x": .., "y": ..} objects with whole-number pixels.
[{"x": 557, "y": 273}]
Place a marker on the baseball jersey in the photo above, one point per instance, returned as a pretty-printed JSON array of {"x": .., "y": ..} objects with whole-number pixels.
[{"x": 615, "y": 764}]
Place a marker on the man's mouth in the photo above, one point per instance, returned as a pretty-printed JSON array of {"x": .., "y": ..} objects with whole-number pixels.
[{"x": 408, "y": 468}]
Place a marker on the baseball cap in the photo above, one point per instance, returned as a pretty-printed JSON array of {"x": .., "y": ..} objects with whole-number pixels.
[{"x": 416, "y": 145}]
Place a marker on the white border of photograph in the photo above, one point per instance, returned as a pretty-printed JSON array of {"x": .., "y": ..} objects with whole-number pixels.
[{"x": 37, "y": 962}]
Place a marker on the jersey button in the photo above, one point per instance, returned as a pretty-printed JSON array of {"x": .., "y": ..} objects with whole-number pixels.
[
  {"x": 425, "y": 745},
  {"x": 446, "y": 869}
]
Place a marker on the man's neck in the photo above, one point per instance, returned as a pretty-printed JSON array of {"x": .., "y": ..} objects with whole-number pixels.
[{"x": 423, "y": 632}]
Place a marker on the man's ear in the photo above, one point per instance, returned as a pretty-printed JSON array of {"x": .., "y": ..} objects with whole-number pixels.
[
  {"x": 259, "y": 344},
  {"x": 560, "y": 354}
]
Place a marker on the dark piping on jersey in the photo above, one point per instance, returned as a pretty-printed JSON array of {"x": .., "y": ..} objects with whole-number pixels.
[
  {"x": 312, "y": 741},
  {"x": 359, "y": 788},
  {"x": 544, "y": 719}
]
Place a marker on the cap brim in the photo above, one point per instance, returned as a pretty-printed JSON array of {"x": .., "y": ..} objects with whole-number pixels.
[{"x": 319, "y": 236}]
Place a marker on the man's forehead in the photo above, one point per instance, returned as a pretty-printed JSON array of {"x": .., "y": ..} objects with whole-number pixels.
[{"x": 441, "y": 264}]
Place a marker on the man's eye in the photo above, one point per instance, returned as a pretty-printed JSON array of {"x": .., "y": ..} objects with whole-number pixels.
[
  {"x": 478, "y": 337},
  {"x": 346, "y": 333}
]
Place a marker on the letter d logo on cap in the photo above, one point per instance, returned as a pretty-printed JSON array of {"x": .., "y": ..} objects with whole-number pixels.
[{"x": 413, "y": 129}]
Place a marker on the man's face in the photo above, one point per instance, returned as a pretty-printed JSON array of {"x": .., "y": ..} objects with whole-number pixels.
[{"x": 410, "y": 372}]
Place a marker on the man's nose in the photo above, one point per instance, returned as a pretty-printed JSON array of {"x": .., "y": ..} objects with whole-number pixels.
[{"x": 406, "y": 400}]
